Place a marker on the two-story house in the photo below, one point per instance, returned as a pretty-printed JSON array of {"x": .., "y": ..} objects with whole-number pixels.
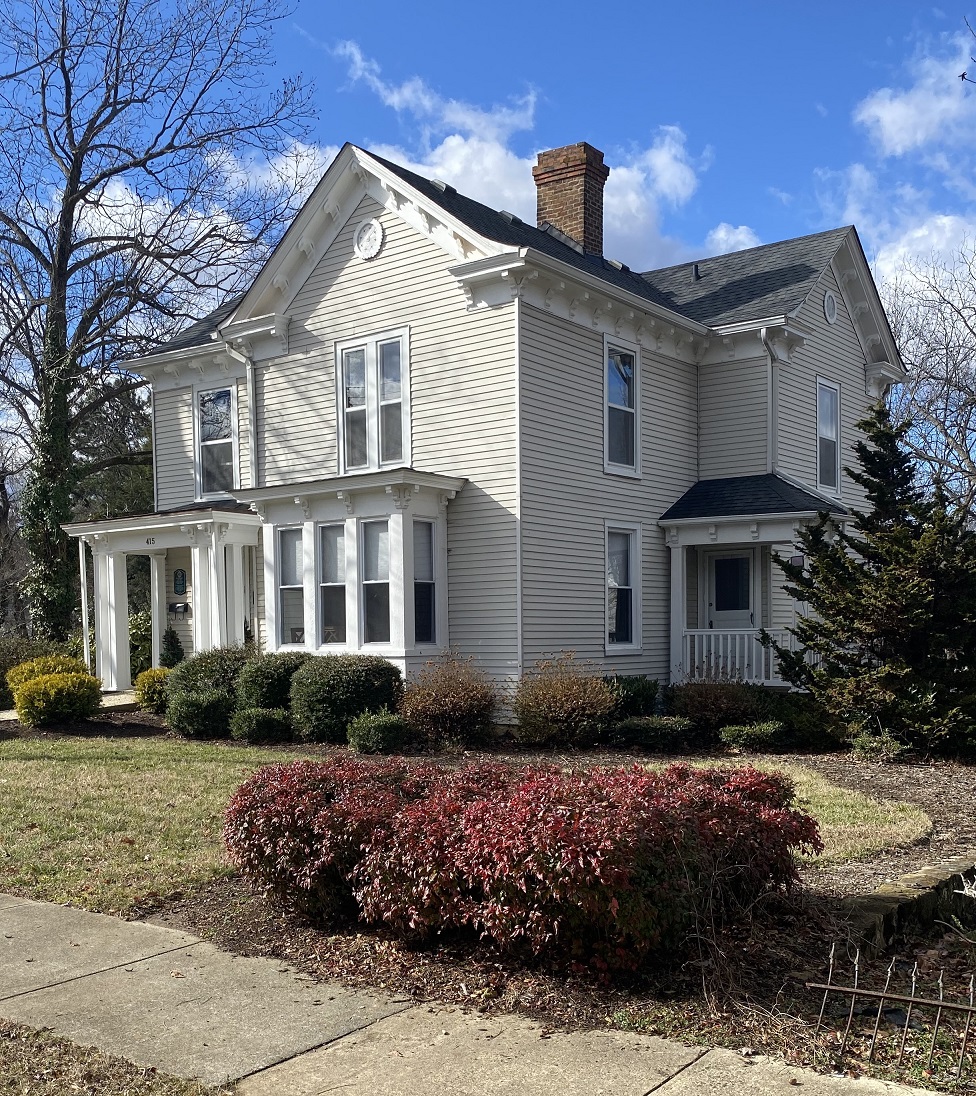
[{"x": 430, "y": 425}]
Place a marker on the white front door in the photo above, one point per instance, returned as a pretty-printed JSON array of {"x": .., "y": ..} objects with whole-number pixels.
[{"x": 730, "y": 587}]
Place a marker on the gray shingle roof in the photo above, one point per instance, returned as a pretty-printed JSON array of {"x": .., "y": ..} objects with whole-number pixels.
[
  {"x": 771, "y": 280},
  {"x": 742, "y": 496}
]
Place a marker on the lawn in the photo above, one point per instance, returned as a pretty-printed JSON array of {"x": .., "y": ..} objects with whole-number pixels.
[
  {"x": 108, "y": 824},
  {"x": 113, "y": 824}
]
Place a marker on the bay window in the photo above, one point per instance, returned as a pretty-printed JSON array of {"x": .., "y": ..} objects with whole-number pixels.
[
  {"x": 374, "y": 414},
  {"x": 423, "y": 582},
  {"x": 375, "y": 567},
  {"x": 291, "y": 587},
  {"x": 332, "y": 583}
]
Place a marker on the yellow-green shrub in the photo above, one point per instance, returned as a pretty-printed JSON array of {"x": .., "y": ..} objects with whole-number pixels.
[
  {"x": 151, "y": 690},
  {"x": 57, "y": 698},
  {"x": 39, "y": 667}
]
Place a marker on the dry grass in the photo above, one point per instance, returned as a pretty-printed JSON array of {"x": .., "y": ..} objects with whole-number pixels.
[
  {"x": 853, "y": 826},
  {"x": 108, "y": 824},
  {"x": 36, "y": 1063}
]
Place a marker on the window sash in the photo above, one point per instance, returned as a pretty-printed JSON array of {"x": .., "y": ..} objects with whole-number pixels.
[
  {"x": 373, "y": 403},
  {"x": 828, "y": 436},
  {"x": 621, "y": 381},
  {"x": 424, "y": 592},
  {"x": 332, "y": 584},
  {"x": 620, "y": 587},
  {"x": 291, "y": 586},
  {"x": 215, "y": 441},
  {"x": 375, "y": 554}
]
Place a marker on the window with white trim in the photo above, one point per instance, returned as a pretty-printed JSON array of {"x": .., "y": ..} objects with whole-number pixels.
[
  {"x": 828, "y": 436},
  {"x": 424, "y": 601},
  {"x": 374, "y": 413},
  {"x": 621, "y": 422},
  {"x": 215, "y": 442},
  {"x": 375, "y": 571},
  {"x": 291, "y": 587},
  {"x": 623, "y": 570},
  {"x": 332, "y": 583}
]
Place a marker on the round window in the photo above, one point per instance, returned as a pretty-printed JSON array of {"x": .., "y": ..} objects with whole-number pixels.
[{"x": 830, "y": 307}]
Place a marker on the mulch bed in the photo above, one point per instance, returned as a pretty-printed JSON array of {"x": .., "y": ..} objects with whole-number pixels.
[{"x": 739, "y": 988}]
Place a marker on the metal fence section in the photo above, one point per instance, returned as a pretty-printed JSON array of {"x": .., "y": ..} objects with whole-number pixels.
[{"x": 914, "y": 1001}]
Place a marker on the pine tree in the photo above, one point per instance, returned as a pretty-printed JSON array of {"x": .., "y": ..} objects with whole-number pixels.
[
  {"x": 887, "y": 643},
  {"x": 171, "y": 651}
]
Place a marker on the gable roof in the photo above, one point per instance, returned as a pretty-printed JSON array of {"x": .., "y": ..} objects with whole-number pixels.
[
  {"x": 770, "y": 280},
  {"x": 759, "y": 283},
  {"x": 744, "y": 496}
]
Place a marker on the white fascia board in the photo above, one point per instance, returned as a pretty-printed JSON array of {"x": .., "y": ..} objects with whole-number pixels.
[
  {"x": 729, "y": 519},
  {"x": 569, "y": 273},
  {"x": 152, "y": 365},
  {"x": 155, "y": 522},
  {"x": 872, "y": 299},
  {"x": 491, "y": 267},
  {"x": 364, "y": 481},
  {"x": 743, "y": 327},
  {"x": 742, "y": 529}
]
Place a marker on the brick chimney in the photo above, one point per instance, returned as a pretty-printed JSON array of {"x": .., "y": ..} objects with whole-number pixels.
[{"x": 570, "y": 193}]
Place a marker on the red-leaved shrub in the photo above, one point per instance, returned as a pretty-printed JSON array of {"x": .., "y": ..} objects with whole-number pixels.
[{"x": 605, "y": 867}]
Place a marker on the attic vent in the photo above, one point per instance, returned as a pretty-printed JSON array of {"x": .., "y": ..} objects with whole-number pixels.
[
  {"x": 695, "y": 273},
  {"x": 510, "y": 217},
  {"x": 617, "y": 265},
  {"x": 443, "y": 187}
]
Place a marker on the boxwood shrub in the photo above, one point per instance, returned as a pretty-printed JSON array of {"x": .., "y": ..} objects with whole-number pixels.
[
  {"x": 265, "y": 681},
  {"x": 150, "y": 689},
  {"x": 15, "y": 650},
  {"x": 765, "y": 737},
  {"x": 712, "y": 705},
  {"x": 657, "y": 733},
  {"x": 57, "y": 698},
  {"x": 43, "y": 666},
  {"x": 204, "y": 713},
  {"x": 328, "y": 692},
  {"x": 261, "y": 725},
  {"x": 636, "y": 694},
  {"x": 381, "y": 732}
]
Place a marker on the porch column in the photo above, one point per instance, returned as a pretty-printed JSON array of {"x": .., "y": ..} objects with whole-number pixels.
[
  {"x": 200, "y": 607},
  {"x": 112, "y": 622},
  {"x": 157, "y": 595},
  {"x": 218, "y": 592},
  {"x": 85, "y": 627},
  {"x": 679, "y": 611},
  {"x": 236, "y": 590}
]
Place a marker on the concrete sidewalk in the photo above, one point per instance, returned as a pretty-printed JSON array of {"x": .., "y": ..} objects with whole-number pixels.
[{"x": 170, "y": 1000}]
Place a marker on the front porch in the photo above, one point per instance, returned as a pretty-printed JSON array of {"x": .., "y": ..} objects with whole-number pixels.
[{"x": 725, "y": 585}]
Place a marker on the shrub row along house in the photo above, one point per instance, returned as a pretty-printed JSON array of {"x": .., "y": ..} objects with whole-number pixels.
[{"x": 428, "y": 424}]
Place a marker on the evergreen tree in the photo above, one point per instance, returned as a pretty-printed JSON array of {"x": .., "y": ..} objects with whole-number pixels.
[{"x": 887, "y": 643}]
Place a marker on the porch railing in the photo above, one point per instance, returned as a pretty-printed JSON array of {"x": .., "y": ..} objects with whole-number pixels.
[{"x": 711, "y": 654}]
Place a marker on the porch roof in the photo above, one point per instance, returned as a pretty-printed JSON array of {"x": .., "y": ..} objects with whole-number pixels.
[
  {"x": 235, "y": 512},
  {"x": 748, "y": 496}
]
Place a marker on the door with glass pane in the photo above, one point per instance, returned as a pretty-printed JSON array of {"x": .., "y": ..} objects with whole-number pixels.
[{"x": 731, "y": 591}]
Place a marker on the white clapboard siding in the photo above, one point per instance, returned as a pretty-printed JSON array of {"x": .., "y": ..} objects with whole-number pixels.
[
  {"x": 567, "y": 497},
  {"x": 179, "y": 558},
  {"x": 463, "y": 408},
  {"x": 733, "y": 404},
  {"x": 173, "y": 453},
  {"x": 833, "y": 352}
]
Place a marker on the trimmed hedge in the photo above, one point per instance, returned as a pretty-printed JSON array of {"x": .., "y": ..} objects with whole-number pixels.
[
  {"x": 265, "y": 681},
  {"x": 767, "y": 737},
  {"x": 202, "y": 714},
  {"x": 712, "y": 705},
  {"x": 57, "y": 698},
  {"x": 381, "y": 732},
  {"x": 451, "y": 701},
  {"x": 201, "y": 692},
  {"x": 658, "y": 733},
  {"x": 150, "y": 687},
  {"x": 637, "y": 695},
  {"x": 608, "y": 867},
  {"x": 329, "y": 691},
  {"x": 261, "y": 725}
]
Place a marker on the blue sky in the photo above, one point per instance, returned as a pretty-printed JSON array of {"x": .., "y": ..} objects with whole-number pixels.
[{"x": 724, "y": 124}]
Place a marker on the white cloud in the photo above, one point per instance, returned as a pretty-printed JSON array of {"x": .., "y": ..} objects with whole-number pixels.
[
  {"x": 470, "y": 148},
  {"x": 725, "y": 238},
  {"x": 938, "y": 109}
]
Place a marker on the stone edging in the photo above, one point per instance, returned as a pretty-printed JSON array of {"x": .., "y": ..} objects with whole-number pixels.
[{"x": 916, "y": 900}]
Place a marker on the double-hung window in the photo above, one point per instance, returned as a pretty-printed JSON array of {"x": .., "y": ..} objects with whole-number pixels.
[
  {"x": 215, "y": 442},
  {"x": 376, "y": 581},
  {"x": 623, "y": 594},
  {"x": 828, "y": 437},
  {"x": 332, "y": 583},
  {"x": 374, "y": 412},
  {"x": 291, "y": 586},
  {"x": 621, "y": 412},
  {"x": 424, "y": 604}
]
